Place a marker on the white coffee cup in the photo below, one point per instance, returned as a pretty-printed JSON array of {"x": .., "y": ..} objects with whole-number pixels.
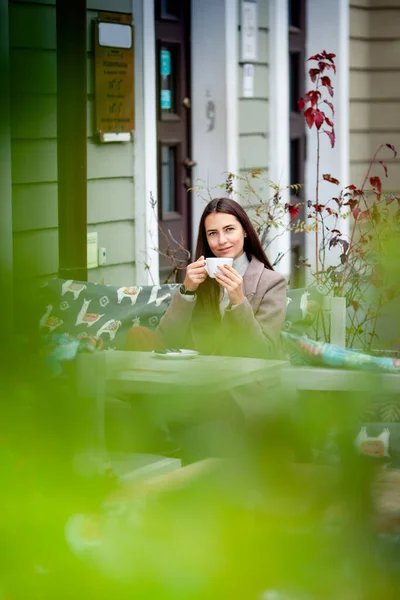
[{"x": 213, "y": 263}]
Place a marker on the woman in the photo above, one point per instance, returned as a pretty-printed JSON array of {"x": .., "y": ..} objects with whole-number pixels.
[{"x": 242, "y": 311}]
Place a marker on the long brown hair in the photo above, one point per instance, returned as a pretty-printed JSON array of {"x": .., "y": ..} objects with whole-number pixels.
[{"x": 208, "y": 293}]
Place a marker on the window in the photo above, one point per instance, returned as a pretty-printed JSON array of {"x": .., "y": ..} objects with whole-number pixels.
[
  {"x": 168, "y": 179},
  {"x": 168, "y": 9},
  {"x": 167, "y": 70},
  {"x": 295, "y": 12}
]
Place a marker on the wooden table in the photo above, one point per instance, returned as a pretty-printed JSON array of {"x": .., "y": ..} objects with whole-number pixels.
[
  {"x": 146, "y": 373},
  {"x": 108, "y": 373}
]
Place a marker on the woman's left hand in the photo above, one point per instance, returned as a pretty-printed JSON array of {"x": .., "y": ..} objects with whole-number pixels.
[{"x": 232, "y": 282}]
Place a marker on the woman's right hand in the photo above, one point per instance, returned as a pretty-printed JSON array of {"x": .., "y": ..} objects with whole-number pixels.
[{"x": 195, "y": 274}]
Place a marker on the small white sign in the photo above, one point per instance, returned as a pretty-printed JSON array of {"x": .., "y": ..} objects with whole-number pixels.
[
  {"x": 115, "y": 35},
  {"x": 123, "y": 136},
  {"x": 92, "y": 254},
  {"x": 248, "y": 80},
  {"x": 249, "y": 30}
]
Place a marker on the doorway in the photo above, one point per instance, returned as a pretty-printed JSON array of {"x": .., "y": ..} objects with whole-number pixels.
[
  {"x": 172, "y": 36},
  {"x": 297, "y": 43}
]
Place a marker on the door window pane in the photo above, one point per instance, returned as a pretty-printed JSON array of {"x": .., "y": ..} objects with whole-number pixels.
[
  {"x": 170, "y": 9},
  {"x": 168, "y": 187},
  {"x": 167, "y": 80},
  {"x": 295, "y": 13}
]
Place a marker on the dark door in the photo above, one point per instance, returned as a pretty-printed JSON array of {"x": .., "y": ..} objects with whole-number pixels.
[
  {"x": 297, "y": 41},
  {"x": 172, "y": 32}
]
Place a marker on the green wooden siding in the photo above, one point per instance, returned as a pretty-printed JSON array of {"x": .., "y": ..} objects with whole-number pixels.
[
  {"x": 35, "y": 206},
  {"x": 34, "y": 161},
  {"x": 33, "y": 68},
  {"x": 109, "y": 160},
  {"x": 110, "y": 178},
  {"x": 374, "y": 88},
  {"x": 35, "y": 253}
]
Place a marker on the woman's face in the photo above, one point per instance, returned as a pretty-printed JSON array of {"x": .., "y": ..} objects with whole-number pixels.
[{"x": 225, "y": 235}]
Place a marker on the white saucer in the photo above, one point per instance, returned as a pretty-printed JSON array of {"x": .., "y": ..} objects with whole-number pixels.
[{"x": 183, "y": 354}]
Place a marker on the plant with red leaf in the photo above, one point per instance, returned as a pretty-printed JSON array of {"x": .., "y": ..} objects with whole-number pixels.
[
  {"x": 370, "y": 221},
  {"x": 374, "y": 216},
  {"x": 315, "y": 116}
]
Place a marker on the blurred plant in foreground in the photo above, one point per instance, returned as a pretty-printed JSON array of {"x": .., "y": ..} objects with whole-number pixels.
[{"x": 264, "y": 519}]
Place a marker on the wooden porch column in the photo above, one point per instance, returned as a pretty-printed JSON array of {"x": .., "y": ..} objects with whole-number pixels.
[
  {"x": 72, "y": 138},
  {"x": 6, "y": 237}
]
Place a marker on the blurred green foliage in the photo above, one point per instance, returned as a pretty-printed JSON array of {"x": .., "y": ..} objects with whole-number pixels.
[{"x": 264, "y": 517}]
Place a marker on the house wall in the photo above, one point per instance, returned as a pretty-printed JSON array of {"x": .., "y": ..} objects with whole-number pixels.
[
  {"x": 110, "y": 212},
  {"x": 254, "y": 112},
  {"x": 214, "y": 92},
  {"x": 110, "y": 201},
  {"x": 33, "y": 138},
  {"x": 208, "y": 97},
  {"x": 374, "y": 87}
]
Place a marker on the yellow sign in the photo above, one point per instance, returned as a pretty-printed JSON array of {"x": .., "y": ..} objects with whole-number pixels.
[{"x": 114, "y": 75}]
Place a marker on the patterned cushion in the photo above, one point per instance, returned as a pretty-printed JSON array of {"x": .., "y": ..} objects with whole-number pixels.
[
  {"x": 100, "y": 311},
  {"x": 84, "y": 309},
  {"x": 304, "y": 351}
]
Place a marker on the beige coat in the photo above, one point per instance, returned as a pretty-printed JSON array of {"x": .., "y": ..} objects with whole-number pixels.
[{"x": 249, "y": 329}]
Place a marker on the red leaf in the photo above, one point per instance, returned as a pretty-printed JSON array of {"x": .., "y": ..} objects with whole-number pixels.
[
  {"x": 329, "y": 122},
  {"x": 337, "y": 240},
  {"x": 301, "y": 104},
  {"x": 336, "y": 231},
  {"x": 319, "y": 118},
  {"x": 334, "y": 214},
  {"x": 318, "y": 207},
  {"x": 327, "y": 83},
  {"x": 313, "y": 74},
  {"x": 384, "y": 166},
  {"x": 334, "y": 242},
  {"x": 330, "y": 106},
  {"x": 328, "y": 177},
  {"x": 316, "y": 57},
  {"x": 365, "y": 215},
  {"x": 345, "y": 245},
  {"x": 329, "y": 57},
  {"x": 324, "y": 65},
  {"x": 313, "y": 96},
  {"x": 309, "y": 116},
  {"x": 331, "y": 136},
  {"x": 393, "y": 149},
  {"x": 293, "y": 210},
  {"x": 355, "y": 190},
  {"x": 352, "y": 203},
  {"x": 355, "y": 211},
  {"x": 376, "y": 184}
]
